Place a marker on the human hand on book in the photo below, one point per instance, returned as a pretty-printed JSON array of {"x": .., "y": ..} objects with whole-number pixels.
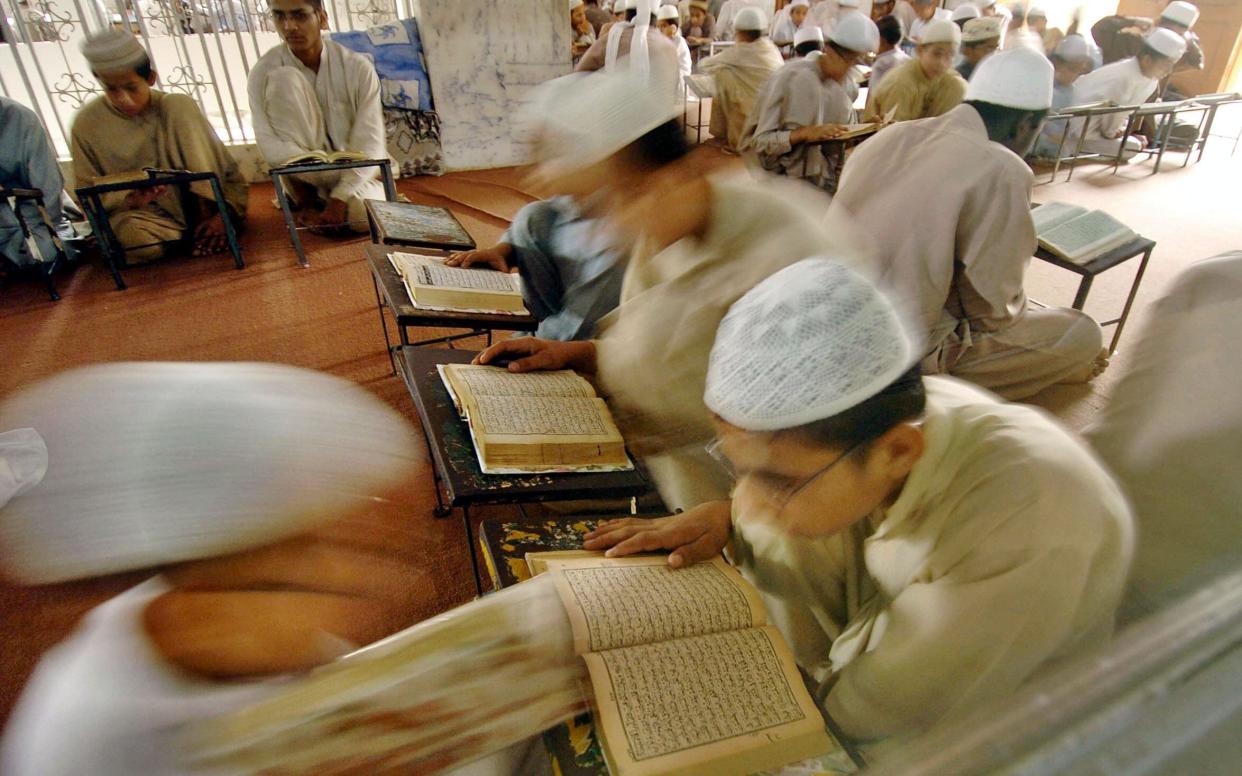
[
  {"x": 697, "y": 535},
  {"x": 816, "y": 133},
  {"x": 496, "y": 257},
  {"x": 531, "y": 354}
]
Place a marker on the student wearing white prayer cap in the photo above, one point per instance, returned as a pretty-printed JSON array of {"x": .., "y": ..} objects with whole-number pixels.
[
  {"x": 924, "y": 547},
  {"x": 925, "y": 86},
  {"x": 701, "y": 237},
  {"x": 1071, "y": 59},
  {"x": 580, "y": 28},
  {"x": 810, "y": 39},
  {"x": 889, "y": 55},
  {"x": 1129, "y": 81},
  {"x": 925, "y": 13},
  {"x": 806, "y": 102},
  {"x": 668, "y": 22},
  {"x": 787, "y": 23},
  {"x": 980, "y": 38},
  {"x": 964, "y": 13},
  {"x": 636, "y": 44},
  {"x": 262, "y": 497},
  {"x": 966, "y": 233},
  {"x": 738, "y": 73}
]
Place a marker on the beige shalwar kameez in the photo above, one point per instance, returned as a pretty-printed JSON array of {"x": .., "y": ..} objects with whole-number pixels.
[
  {"x": 171, "y": 134},
  {"x": 1005, "y": 551},
  {"x": 739, "y": 72},
  {"x": 1172, "y": 433},
  {"x": 948, "y": 214},
  {"x": 915, "y": 96},
  {"x": 653, "y": 349},
  {"x": 296, "y": 110}
]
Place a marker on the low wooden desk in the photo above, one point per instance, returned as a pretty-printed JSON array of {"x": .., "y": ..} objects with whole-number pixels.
[
  {"x": 279, "y": 172},
  {"x": 456, "y": 466},
  {"x": 427, "y": 228},
  {"x": 573, "y": 746},
  {"x": 390, "y": 292},
  {"x": 1139, "y": 246}
]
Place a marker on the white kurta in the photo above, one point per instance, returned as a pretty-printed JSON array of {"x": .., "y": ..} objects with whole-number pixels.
[
  {"x": 1122, "y": 83},
  {"x": 1172, "y": 432},
  {"x": 653, "y": 349},
  {"x": 1005, "y": 552},
  {"x": 345, "y": 114},
  {"x": 949, "y": 215},
  {"x": 915, "y": 31},
  {"x": 797, "y": 95}
]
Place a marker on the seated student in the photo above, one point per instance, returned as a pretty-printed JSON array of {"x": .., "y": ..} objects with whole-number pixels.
[
  {"x": 739, "y": 71},
  {"x": 263, "y": 498},
  {"x": 989, "y": 8},
  {"x": 925, "y": 86},
  {"x": 132, "y": 126},
  {"x": 980, "y": 38},
  {"x": 653, "y": 52},
  {"x": 701, "y": 238},
  {"x": 1171, "y": 433},
  {"x": 787, "y": 23},
  {"x": 923, "y": 547},
  {"x": 953, "y": 240},
  {"x": 806, "y": 102},
  {"x": 926, "y": 13},
  {"x": 728, "y": 14},
  {"x": 890, "y": 54},
  {"x": 1071, "y": 59},
  {"x": 581, "y": 29},
  {"x": 571, "y": 273},
  {"x": 310, "y": 93},
  {"x": 808, "y": 40},
  {"x": 28, "y": 161},
  {"x": 1122, "y": 37},
  {"x": 700, "y": 28},
  {"x": 1127, "y": 82},
  {"x": 667, "y": 21}
]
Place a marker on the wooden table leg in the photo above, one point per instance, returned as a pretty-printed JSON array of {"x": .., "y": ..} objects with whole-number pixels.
[{"x": 1125, "y": 313}]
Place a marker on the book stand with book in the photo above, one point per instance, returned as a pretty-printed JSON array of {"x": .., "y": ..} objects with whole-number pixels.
[
  {"x": 296, "y": 167},
  {"x": 427, "y": 228},
  {"x": 113, "y": 251},
  {"x": 510, "y": 548},
  {"x": 390, "y": 293},
  {"x": 455, "y": 464},
  {"x": 1115, "y": 251}
]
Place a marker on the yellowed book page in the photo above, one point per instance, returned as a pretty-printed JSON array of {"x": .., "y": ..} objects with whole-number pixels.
[
  {"x": 720, "y": 704},
  {"x": 524, "y": 419},
  {"x": 621, "y": 602},
  {"x": 537, "y": 562},
  {"x": 477, "y": 380}
]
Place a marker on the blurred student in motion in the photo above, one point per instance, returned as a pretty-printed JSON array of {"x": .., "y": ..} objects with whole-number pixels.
[{"x": 923, "y": 546}]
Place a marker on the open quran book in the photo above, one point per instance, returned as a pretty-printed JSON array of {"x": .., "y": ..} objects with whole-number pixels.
[
  {"x": 324, "y": 157},
  {"x": 434, "y": 286},
  {"x": 447, "y": 691},
  {"x": 686, "y": 676},
  {"x": 535, "y": 421},
  {"x": 1077, "y": 234}
]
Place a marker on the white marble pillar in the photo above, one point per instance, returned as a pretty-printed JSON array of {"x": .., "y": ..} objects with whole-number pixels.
[{"x": 483, "y": 56}]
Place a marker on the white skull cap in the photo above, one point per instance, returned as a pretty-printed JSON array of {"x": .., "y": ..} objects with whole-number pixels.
[
  {"x": 667, "y": 13},
  {"x": 1167, "y": 42},
  {"x": 1180, "y": 12},
  {"x": 941, "y": 31},
  {"x": 855, "y": 32},
  {"x": 1018, "y": 78},
  {"x": 807, "y": 33},
  {"x": 1073, "y": 47},
  {"x": 750, "y": 19},
  {"x": 965, "y": 11},
  {"x": 808, "y": 343},
  {"x": 156, "y": 463}
]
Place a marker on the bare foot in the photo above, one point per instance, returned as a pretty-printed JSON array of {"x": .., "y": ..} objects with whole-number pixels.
[
  {"x": 210, "y": 237},
  {"x": 1101, "y": 363}
]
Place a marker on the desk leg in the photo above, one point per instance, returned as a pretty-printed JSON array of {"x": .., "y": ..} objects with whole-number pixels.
[
  {"x": 474, "y": 558},
  {"x": 283, "y": 199},
  {"x": 1205, "y": 132},
  {"x": 1082, "y": 138},
  {"x": 229, "y": 231},
  {"x": 1084, "y": 287},
  {"x": 1121, "y": 148},
  {"x": 1125, "y": 313},
  {"x": 104, "y": 238},
  {"x": 390, "y": 189},
  {"x": 1165, "y": 133},
  {"x": 1199, "y": 135},
  {"x": 379, "y": 305}
]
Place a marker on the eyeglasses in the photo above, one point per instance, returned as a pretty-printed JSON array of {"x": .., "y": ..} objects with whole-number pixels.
[{"x": 783, "y": 495}]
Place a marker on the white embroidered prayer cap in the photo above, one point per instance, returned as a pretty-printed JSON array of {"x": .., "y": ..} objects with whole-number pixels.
[
  {"x": 750, "y": 19},
  {"x": 808, "y": 343},
  {"x": 155, "y": 463},
  {"x": 23, "y": 462},
  {"x": 113, "y": 50},
  {"x": 667, "y": 13},
  {"x": 981, "y": 29},
  {"x": 808, "y": 33},
  {"x": 1018, "y": 78},
  {"x": 941, "y": 31},
  {"x": 1167, "y": 42},
  {"x": 1180, "y": 12},
  {"x": 965, "y": 11},
  {"x": 855, "y": 32},
  {"x": 1073, "y": 48}
]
